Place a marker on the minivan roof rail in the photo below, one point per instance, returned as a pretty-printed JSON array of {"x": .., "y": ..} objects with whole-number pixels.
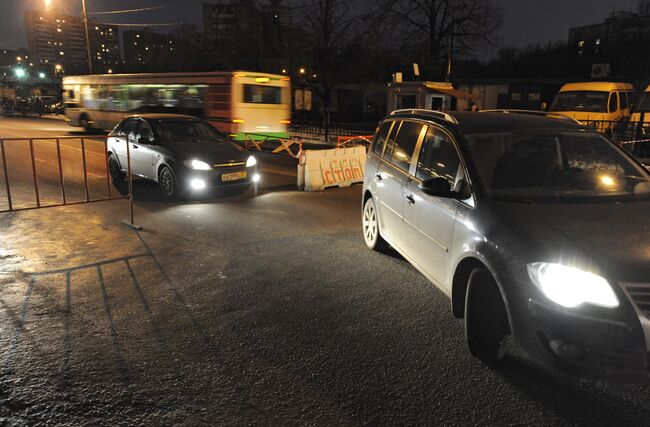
[
  {"x": 547, "y": 114},
  {"x": 425, "y": 112}
]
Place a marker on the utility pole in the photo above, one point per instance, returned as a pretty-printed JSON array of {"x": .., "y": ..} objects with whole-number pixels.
[{"x": 90, "y": 56}]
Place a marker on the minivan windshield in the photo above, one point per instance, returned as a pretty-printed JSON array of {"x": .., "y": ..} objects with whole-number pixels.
[
  {"x": 588, "y": 101},
  {"x": 562, "y": 167},
  {"x": 186, "y": 131}
]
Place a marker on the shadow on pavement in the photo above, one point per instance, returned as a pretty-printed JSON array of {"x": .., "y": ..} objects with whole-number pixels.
[{"x": 579, "y": 401}]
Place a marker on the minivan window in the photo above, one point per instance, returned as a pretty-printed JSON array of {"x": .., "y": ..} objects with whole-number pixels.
[
  {"x": 563, "y": 167},
  {"x": 391, "y": 140},
  {"x": 380, "y": 139},
  {"x": 623, "y": 98},
  {"x": 613, "y": 102},
  {"x": 589, "y": 101},
  {"x": 405, "y": 143},
  {"x": 438, "y": 157}
]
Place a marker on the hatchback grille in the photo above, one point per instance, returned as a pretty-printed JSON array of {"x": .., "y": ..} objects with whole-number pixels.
[
  {"x": 640, "y": 295},
  {"x": 229, "y": 165}
]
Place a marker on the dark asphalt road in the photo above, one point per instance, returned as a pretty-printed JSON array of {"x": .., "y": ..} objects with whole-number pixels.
[{"x": 249, "y": 310}]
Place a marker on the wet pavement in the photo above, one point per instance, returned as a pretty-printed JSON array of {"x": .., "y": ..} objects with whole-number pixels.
[{"x": 250, "y": 309}]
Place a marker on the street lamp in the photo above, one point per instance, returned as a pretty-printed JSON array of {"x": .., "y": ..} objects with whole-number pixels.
[
  {"x": 20, "y": 72},
  {"x": 41, "y": 75}
]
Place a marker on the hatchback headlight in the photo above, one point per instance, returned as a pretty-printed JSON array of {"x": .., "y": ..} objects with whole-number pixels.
[
  {"x": 571, "y": 287},
  {"x": 197, "y": 165},
  {"x": 252, "y": 161}
]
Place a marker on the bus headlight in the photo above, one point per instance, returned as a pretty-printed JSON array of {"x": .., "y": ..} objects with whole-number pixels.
[
  {"x": 197, "y": 165},
  {"x": 571, "y": 287},
  {"x": 252, "y": 161}
]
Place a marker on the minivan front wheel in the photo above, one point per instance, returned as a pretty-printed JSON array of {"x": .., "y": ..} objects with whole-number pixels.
[
  {"x": 486, "y": 320},
  {"x": 371, "y": 226}
]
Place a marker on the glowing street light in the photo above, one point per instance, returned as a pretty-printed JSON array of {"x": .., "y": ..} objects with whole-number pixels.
[
  {"x": 303, "y": 71},
  {"x": 41, "y": 75},
  {"x": 20, "y": 73}
]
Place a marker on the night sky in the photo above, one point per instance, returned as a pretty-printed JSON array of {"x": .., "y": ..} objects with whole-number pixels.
[{"x": 525, "y": 21}]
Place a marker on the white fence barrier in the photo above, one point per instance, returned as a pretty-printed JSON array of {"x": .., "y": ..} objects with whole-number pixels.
[{"x": 339, "y": 167}]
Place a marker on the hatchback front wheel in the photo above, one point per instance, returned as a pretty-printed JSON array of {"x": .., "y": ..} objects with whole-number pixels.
[{"x": 167, "y": 182}]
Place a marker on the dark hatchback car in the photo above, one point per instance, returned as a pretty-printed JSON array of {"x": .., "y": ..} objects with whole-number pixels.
[
  {"x": 536, "y": 228},
  {"x": 183, "y": 154}
]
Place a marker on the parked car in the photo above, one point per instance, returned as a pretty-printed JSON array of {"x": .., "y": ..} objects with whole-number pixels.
[
  {"x": 536, "y": 228},
  {"x": 182, "y": 154}
]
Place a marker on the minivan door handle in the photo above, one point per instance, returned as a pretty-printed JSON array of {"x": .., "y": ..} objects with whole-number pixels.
[{"x": 410, "y": 199}]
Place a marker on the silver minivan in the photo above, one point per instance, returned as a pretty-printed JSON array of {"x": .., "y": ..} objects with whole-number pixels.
[{"x": 534, "y": 226}]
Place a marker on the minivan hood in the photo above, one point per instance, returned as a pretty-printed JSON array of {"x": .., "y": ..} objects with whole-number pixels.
[
  {"x": 207, "y": 151},
  {"x": 613, "y": 236}
]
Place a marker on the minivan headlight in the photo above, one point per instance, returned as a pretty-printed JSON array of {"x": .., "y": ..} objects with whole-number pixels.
[
  {"x": 571, "y": 287},
  {"x": 197, "y": 165},
  {"x": 252, "y": 161}
]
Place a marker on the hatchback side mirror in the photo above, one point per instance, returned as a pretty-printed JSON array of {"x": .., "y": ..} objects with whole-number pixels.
[
  {"x": 437, "y": 187},
  {"x": 146, "y": 141}
]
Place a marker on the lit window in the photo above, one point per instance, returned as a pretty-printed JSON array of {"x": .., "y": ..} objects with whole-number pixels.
[
  {"x": 597, "y": 42},
  {"x": 61, "y": 53},
  {"x": 581, "y": 43},
  {"x": 58, "y": 30},
  {"x": 96, "y": 28}
]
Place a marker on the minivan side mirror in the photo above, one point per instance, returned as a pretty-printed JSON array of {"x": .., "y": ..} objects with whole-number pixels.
[
  {"x": 437, "y": 187},
  {"x": 440, "y": 187}
]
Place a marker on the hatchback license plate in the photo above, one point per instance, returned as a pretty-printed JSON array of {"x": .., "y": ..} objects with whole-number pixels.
[{"x": 235, "y": 176}]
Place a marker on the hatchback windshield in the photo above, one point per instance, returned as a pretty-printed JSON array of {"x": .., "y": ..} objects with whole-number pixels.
[
  {"x": 186, "y": 131},
  {"x": 558, "y": 167},
  {"x": 589, "y": 101}
]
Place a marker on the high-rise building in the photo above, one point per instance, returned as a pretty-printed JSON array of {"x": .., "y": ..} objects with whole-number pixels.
[
  {"x": 141, "y": 47},
  {"x": 225, "y": 20},
  {"x": 61, "y": 39},
  {"x": 610, "y": 37}
]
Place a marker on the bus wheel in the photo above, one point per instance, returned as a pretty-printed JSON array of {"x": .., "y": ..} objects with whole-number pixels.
[
  {"x": 114, "y": 168},
  {"x": 84, "y": 122}
]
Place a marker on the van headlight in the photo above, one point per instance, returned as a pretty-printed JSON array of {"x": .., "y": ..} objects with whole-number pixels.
[
  {"x": 252, "y": 161},
  {"x": 197, "y": 165},
  {"x": 571, "y": 287}
]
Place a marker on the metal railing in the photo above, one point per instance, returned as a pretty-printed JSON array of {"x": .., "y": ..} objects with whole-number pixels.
[{"x": 28, "y": 144}]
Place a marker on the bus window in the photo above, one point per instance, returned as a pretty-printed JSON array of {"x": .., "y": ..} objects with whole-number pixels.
[{"x": 257, "y": 94}]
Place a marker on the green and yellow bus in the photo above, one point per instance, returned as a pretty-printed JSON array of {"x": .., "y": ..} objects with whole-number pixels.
[{"x": 235, "y": 102}]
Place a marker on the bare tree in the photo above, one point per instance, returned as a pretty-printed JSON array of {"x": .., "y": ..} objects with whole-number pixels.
[
  {"x": 330, "y": 28},
  {"x": 443, "y": 27},
  {"x": 643, "y": 8}
]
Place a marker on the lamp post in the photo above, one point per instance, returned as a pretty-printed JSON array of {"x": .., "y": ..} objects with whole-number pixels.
[{"x": 90, "y": 56}]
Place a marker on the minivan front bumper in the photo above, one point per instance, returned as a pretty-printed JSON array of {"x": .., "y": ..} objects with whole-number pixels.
[{"x": 587, "y": 346}]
